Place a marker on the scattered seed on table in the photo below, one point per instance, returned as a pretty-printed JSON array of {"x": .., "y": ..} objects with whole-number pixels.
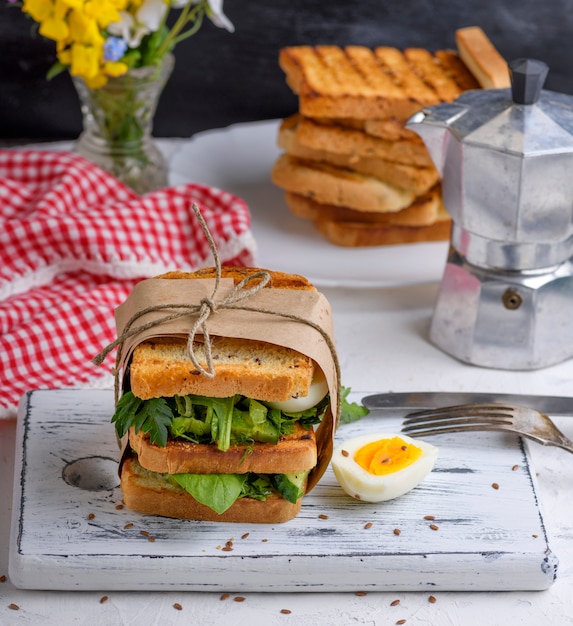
[
  {"x": 130, "y": 525},
  {"x": 145, "y": 533},
  {"x": 495, "y": 485},
  {"x": 395, "y": 602},
  {"x": 345, "y": 453},
  {"x": 91, "y": 516},
  {"x": 434, "y": 527},
  {"x": 368, "y": 525},
  {"x": 178, "y": 606},
  {"x": 119, "y": 507},
  {"x": 245, "y": 535},
  {"x": 239, "y": 598},
  {"x": 430, "y": 517},
  {"x": 14, "y": 607},
  {"x": 397, "y": 531},
  {"x": 286, "y": 611},
  {"x": 323, "y": 516},
  {"x": 431, "y": 599},
  {"x": 401, "y": 621},
  {"x": 151, "y": 539},
  {"x": 225, "y": 596},
  {"x": 360, "y": 593},
  {"x": 103, "y": 599},
  {"x": 515, "y": 467},
  {"x": 535, "y": 536},
  {"x": 3, "y": 579}
]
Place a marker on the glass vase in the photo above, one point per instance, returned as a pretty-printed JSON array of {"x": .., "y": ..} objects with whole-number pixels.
[{"x": 117, "y": 126}]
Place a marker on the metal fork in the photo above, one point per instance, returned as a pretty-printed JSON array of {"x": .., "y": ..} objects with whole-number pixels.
[{"x": 522, "y": 420}]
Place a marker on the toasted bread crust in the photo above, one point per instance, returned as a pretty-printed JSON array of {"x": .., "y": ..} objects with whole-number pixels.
[
  {"x": 150, "y": 494},
  {"x": 355, "y": 234},
  {"x": 363, "y": 83},
  {"x": 341, "y": 187},
  {"x": 481, "y": 57},
  {"x": 422, "y": 212},
  {"x": 349, "y": 141},
  {"x": 402, "y": 175},
  {"x": 259, "y": 370},
  {"x": 256, "y": 369},
  {"x": 293, "y": 453}
]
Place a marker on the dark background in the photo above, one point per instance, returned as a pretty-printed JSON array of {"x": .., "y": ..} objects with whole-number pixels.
[{"x": 222, "y": 78}]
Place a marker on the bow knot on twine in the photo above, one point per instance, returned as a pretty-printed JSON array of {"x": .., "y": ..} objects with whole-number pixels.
[{"x": 246, "y": 288}]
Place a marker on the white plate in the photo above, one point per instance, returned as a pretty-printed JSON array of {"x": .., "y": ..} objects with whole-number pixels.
[
  {"x": 239, "y": 159},
  {"x": 68, "y": 532}
]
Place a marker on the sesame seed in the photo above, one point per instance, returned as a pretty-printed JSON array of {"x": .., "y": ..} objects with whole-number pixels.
[
  {"x": 245, "y": 535},
  {"x": 103, "y": 599},
  {"x": 345, "y": 453},
  {"x": 145, "y": 533},
  {"x": 3, "y": 579},
  {"x": 178, "y": 606},
  {"x": 360, "y": 593},
  {"x": 395, "y": 602},
  {"x": 118, "y": 507},
  {"x": 401, "y": 621},
  {"x": 432, "y": 599},
  {"x": 368, "y": 525},
  {"x": 434, "y": 527},
  {"x": 130, "y": 525},
  {"x": 91, "y": 516},
  {"x": 323, "y": 516},
  {"x": 14, "y": 607},
  {"x": 397, "y": 531},
  {"x": 239, "y": 598},
  {"x": 495, "y": 485},
  {"x": 515, "y": 467},
  {"x": 225, "y": 596},
  {"x": 286, "y": 611},
  {"x": 430, "y": 517}
]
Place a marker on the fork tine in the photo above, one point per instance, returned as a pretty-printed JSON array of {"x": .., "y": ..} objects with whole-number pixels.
[
  {"x": 484, "y": 414},
  {"x": 461, "y": 409},
  {"x": 450, "y": 421},
  {"x": 417, "y": 431}
]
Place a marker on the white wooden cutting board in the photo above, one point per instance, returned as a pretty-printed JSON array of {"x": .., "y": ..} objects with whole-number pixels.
[{"x": 69, "y": 532}]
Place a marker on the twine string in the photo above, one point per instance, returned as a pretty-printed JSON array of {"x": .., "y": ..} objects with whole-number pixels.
[{"x": 247, "y": 287}]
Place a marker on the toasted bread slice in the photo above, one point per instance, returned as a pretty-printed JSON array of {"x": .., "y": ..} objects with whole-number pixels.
[
  {"x": 295, "y": 452},
  {"x": 359, "y": 234},
  {"x": 338, "y": 186},
  {"x": 481, "y": 57},
  {"x": 357, "y": 143},
  {"x": 278, "y": 280},
  {"x": 150, "y": 493},
  {"x": 410, "y": 177},
  {"x": 425, "y": 210},
  {"x": 259, "y": 370},
  {"x": 358, "y": 82},
  {"x": 256, "y": 369}
]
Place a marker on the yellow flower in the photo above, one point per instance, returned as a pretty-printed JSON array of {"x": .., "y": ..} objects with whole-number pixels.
[
  {"x": 54, "y": 28},
  {"x": 39, "y": 10},
  {"x": 115, "y": 68},
  {"x": 84, "y": 60},
  {"x": 84, "y": 29},
  {"x": 103, "y": 11}
]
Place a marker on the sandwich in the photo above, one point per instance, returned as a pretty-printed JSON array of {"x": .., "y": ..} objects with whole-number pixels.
[{"x": 235, "y": 447}]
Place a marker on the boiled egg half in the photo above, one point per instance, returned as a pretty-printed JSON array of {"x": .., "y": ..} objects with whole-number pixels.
[
  {"x": 318, "y": 389},
  {"x": 382, "y": 466}
]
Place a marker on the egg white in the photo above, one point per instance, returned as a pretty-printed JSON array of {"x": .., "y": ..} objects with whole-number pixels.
[
  {"x": 362, "y": 485},
  {"x": 318, "y": 389}
]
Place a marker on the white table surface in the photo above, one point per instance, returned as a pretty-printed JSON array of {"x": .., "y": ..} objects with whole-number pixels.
[{"x": 381, "y": 335}]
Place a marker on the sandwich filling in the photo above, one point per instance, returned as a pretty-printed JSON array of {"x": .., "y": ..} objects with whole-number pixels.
[{"x": 221, "y": 423}]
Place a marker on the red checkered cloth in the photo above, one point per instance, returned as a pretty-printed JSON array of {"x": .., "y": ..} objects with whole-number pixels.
[{"x": 73, "y": 243}]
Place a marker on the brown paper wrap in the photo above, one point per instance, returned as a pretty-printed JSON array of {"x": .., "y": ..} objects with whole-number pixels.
[{"x": 286, "y": 317}]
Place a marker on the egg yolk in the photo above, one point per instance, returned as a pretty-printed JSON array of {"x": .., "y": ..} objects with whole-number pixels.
[{"x": 387, "y": 456}]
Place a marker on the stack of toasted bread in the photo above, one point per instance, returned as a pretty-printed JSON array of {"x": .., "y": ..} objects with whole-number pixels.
[{"x": 349, "y": 163}]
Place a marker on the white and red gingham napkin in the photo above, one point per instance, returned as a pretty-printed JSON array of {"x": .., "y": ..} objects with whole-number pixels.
[{"x": 73, "y": 243}]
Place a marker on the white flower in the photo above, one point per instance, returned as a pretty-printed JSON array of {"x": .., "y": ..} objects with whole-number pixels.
[
  {"x": 150, "y": 14},
  {"x": 147, "y": 20},
  {"x": 214, "y": 12}
]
